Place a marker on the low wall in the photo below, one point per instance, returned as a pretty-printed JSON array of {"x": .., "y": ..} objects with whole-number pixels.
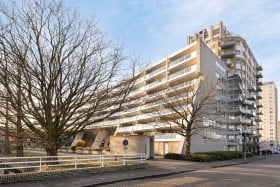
[
  {"x": 136, "y": 144},
  {"x": 39, "y": 176}
]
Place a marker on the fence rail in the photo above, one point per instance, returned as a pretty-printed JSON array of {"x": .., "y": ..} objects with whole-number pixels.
[{"x": 37, "y": 163}]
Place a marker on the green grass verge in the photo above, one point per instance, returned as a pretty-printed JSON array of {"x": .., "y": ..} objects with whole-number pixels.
[{"x": 25, "y": 153}]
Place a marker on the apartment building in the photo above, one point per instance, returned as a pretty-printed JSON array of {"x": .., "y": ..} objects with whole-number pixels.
[
  {"x": 244, "y": 85},
  {"x": 212, "y": 54},
  {"x": 171, "y": 75},
  {"x": 269, "y": 138}
]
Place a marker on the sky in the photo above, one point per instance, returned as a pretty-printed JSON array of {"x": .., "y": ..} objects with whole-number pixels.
[{"x": 154, "y": 29}]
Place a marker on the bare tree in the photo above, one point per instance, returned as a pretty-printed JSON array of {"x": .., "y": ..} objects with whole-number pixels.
[
  {"x": 61, "y": 71},
  {"x": 192, "y": 109},
  {"x": 5, "y": 128}
]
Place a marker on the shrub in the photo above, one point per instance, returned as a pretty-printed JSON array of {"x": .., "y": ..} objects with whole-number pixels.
[
  {"x": 208, "y": 156},
  {"x": 77, "y": 143},
  {"x": 175, "y": 156},
  {"x": 73, "y": 147}
]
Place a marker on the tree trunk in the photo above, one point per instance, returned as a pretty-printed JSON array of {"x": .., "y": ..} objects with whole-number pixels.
[
  {"x": 19, "y": 129},
  {"x": 7, "y": 148},
  {"x": 52, "y": 151},
  {"x": 187, "y": 145},
  {"x": 19, "y": 140}
]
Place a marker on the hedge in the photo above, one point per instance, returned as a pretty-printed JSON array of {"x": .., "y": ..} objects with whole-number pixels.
[{"x": 208, "y": 156}]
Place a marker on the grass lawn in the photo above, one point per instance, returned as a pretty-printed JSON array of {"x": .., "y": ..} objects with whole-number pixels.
[{"x": 25, "y": 153}]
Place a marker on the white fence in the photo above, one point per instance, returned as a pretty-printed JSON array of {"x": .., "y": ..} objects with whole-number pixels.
[{"x": 38, "y": 163}]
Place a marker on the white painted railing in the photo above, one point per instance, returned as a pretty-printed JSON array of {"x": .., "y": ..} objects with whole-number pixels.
[{"x": 69, "y": 162}]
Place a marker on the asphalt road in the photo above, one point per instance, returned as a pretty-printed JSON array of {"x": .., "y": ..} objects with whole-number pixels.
[{"x": 265, "y": 172}]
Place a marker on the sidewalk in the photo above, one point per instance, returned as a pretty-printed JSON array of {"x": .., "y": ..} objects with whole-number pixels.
[{"x": 157, "y": 168}]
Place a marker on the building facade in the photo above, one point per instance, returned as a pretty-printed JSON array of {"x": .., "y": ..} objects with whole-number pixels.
[
  {"x": 215, "y": 55},
  {"x": 244, "y": 83},
  {"x": 181, "y": 70},
  {"x": 270, "y": 138}
]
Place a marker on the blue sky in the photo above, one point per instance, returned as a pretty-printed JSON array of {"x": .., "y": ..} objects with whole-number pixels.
[{"x": 155, "y": 29}]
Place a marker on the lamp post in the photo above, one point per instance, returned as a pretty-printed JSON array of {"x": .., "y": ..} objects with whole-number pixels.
[{"x": 245, "y": 147}]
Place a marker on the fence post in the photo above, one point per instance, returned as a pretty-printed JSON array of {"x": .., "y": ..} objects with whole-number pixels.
[
  {"x": 141, "y": 161},
  {"x": 101, "y": 160},
  {"x": 40, "y": 164},
  {"x": 124, "y": 159},
  {"x": 75, "y": 162}
]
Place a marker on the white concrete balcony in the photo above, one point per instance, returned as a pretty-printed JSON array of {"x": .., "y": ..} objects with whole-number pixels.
[
  {"x": 182, "y": 60},
  {"x": 234, "y": 132},
  {"x": 234, "y": 110},
  {"x": 152, "y": 104},
  {"x": 135, "y": 92},
  {"x": 135, "y": 128},
  {"x": 245, "y": 121},
  {"x": 139, "y": 80},
  {"x": 234, "y": 75},
  {"x": 228, "y": 43},
  {"x": 235, "y": 87},
  {"x": 156, "y": 72},
  {"x": 247, "y": 102},
  {"x": 239, "y": 120},
  {"x": 259, "y": 67},
  {"x": 248, "y": 112},
  {"x": 259, "y": 74},
  {"x": 182, "y": 73},
  {"x": 234, "y": 143},
  {"x": 228, "y": 53},
  {"x": 252, "y": 88},
  {"x": 127, "y": 119},
  {"x": 155, "y": 83},
  {"x": 252, "y": 97},
  {"x": 228, "y": 63},
  {"x": 259, "y": 89},
  {"x": 235, "y": 98}
]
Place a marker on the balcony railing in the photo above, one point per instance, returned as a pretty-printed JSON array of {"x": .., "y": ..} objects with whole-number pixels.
[
  {"x": 182, "y": 72},
  {"x": 228, "y": 43},
  {"x": 252, "y": 97},
  {"x": 157, "y": 71},
  {"x": 252, "y": 88},
  {"x": 259, "y": 68},
  {"x": 259, "y": 75},
  {"x": 228, "y": 62},
  {"x": 233, "y": 87},
  {"x": 181, "y": 60},
  {"x": 247, "y": 102},
  {"x": 234, "y": 132},
  {"x": 228, "y": 53},
  {"x": 234, "y": 75},
  {"x": 139, "y": 80},
  {"x": 239, "y": 120},
  {"x": 234, "y": 98},
  {"x": 156, "y": 83},
  {"x": 259, "y": 83}
]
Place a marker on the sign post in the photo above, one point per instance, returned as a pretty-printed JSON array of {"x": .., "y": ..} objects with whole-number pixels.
[{"x": 125, "y": 147}]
